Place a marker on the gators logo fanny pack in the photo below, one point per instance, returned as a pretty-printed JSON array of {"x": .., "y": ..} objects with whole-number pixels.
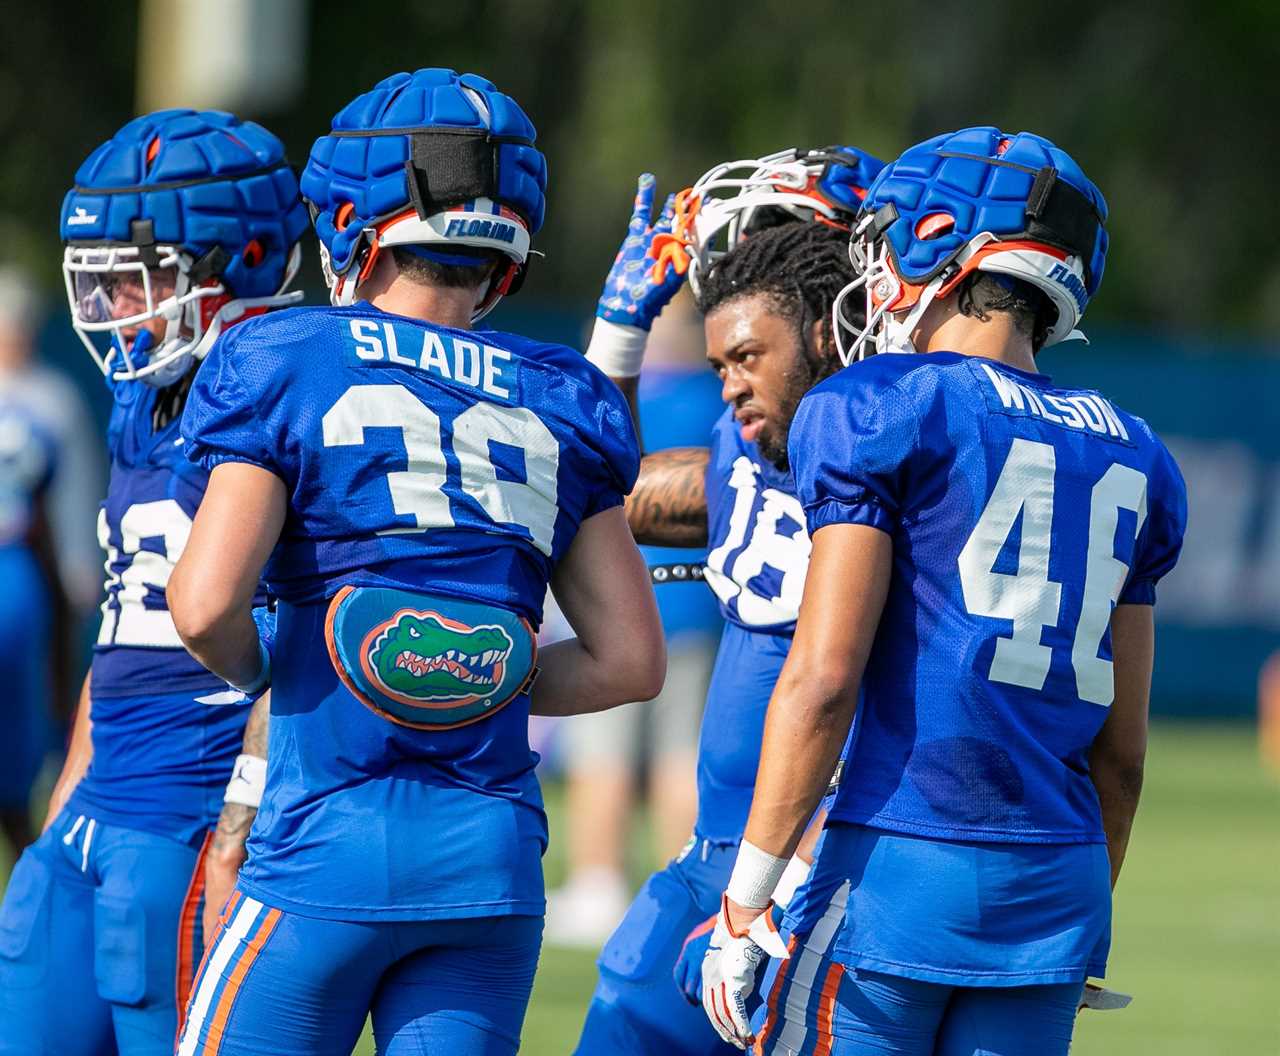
[{"x": 428, "y": 661}]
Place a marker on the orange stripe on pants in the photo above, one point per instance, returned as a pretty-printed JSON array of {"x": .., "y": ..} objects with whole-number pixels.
[
  {"x": 210, "y": 941},
  {"x": 187, "y": 920},
  {"x": 213, "y": 1040},
  {"x": 771, "y": 1017},
  {"x": 827, "y": 1009}
]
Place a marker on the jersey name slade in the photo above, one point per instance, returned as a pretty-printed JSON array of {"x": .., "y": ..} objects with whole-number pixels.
[
  {"x": 465, "y": 362},
  {"x": 759, "y": 546}
]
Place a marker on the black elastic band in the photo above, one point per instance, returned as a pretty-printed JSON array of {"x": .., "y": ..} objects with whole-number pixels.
[
  {"x": 989, "y": 161},
  {"x": 1062, "y": 216},
  {"x": 443, "y": 130},
  {"x": 173, "y": 185},
  {"x": 447, "y": 169}
]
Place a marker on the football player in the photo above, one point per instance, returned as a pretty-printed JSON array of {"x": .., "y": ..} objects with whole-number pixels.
[
  {"x": 420, "y": 482},
  {"x": 767, "y": 301},
  {"x": 29, "y": 614},
  {"x": 178, "y": 227},
  {"x": 986, "y": 547}
]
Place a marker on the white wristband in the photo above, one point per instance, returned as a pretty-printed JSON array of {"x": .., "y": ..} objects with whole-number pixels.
[
  {"x": 795, "y": 874},
  {"x": 616, "y": 349},
  {"x": 248, "y": 779},
  {"x": 755, "y": 874},
  {"x": 264, "y": 673}
]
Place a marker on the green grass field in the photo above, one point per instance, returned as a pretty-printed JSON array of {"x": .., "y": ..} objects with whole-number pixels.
[{"x": 1197, "y": 932}]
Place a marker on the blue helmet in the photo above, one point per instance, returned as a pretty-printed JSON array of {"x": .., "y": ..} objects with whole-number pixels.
[
  {"x": 437, "y": 161},
  {"x": 190, "y": 217},
  {"x": 728, "y": 202},
  {"x": 976, "y": 200}
]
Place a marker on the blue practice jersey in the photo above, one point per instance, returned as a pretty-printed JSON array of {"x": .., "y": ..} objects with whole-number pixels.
[
  {"x": 756, "y": 564},
  {"x": 1020, "y": 515},
  {"x": 445, "y": 463},
  {"x": 143, "y": 524},
  {"x": 28, "y": 457},
  {"x": 759, "y": 549},
  {"x": 166, "y": 731}
]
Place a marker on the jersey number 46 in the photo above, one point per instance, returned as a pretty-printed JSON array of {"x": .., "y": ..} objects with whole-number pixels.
[{"x": 1029, "y": 598}]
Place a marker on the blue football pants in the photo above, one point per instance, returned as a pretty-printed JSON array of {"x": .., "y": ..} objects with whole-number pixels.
[
  {"x": 275, "y": 983},
  {"x": 819, "y": 1007},
  {"x": 637, "y": 1009},
  {"x": 99, "y": 930}
]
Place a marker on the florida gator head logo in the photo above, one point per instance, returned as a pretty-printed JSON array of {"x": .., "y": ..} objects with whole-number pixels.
[
  {"x": 425, "y": 656},
  {"x": 426, "y": 661}
]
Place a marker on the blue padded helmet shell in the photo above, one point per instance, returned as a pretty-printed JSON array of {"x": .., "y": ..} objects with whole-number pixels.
[
  {"x": 387, "y": 153},
  {"x": 202, "y": 181},
  {"x": 1013, "y": 186}
]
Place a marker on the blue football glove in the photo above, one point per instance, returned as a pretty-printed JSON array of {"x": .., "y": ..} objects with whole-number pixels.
[
  {"x": 688, "y": 969},
  {"x": 266, "y": 621},
  {"x": 635, "y": 291}
]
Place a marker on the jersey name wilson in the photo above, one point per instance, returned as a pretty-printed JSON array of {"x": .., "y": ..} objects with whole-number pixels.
[{"x": 1084, "y": 411}]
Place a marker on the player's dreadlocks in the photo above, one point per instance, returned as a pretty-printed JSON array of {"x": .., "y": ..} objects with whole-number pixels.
[{"x": 802, "y": 266}]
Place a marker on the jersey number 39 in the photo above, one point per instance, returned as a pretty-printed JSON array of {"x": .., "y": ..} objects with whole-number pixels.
[
  {"x": 418, "y": 490},
  {"x": 1028, "y": 597}
]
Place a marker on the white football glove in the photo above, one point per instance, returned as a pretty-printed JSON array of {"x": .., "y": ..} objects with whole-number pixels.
[
  {"x": 729, "y": 973},
  {"x": 1100, "y": 998}
]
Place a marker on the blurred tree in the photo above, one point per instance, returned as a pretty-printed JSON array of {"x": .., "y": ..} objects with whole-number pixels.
[
  {"x": 66, "y": 84},
  {"x": 1169, "y": 107}
]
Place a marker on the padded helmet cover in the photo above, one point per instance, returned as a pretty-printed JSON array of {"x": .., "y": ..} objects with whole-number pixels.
[{"x": 424, "y": 140}]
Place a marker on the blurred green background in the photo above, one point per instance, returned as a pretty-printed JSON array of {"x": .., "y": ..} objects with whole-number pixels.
[{"x": 1170, "y": 108}]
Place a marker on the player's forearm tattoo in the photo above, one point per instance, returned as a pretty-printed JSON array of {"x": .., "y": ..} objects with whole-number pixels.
[
  {"x": 668, "y": 506},
  {"x": 236, "y": 819}
]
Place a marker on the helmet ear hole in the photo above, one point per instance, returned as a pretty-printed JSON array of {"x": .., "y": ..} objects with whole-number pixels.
[
  {"x": 342, "y": 216},
  {"x": 935, "y": 225},
  {"x": 253, "y": 254}
]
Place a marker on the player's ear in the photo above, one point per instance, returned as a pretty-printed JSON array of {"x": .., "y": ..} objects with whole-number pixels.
[{"x": 819, "y": 338}]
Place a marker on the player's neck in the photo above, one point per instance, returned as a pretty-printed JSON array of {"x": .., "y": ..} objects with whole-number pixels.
[
  {"x": 388, "y": 291},
  {"x": 995, "y": 337}
]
